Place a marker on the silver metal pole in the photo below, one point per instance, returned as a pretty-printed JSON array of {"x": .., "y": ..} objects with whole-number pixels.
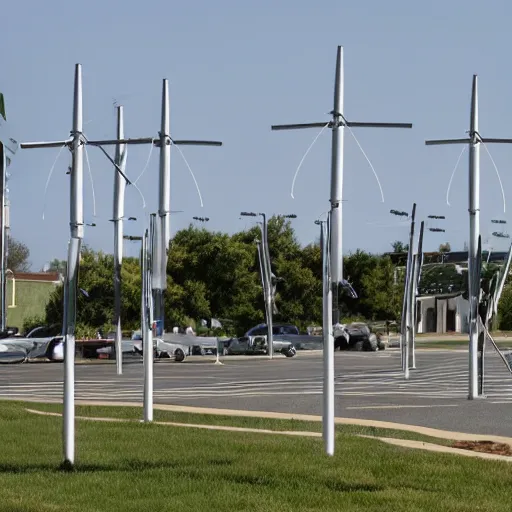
[
  {"x": 118, "y": 216},
  {"x": 418, "y": 263},
  {"x": 76, "y": 223},
  {"x": 328, "y": 343},
  {"x": 147, "y": 334},
  {"x": 338, "y": 129},
  {"x": 405, "y": 311},
  {"x": 268, "y": 286},
  {"x": 337, "y": 124},
  {"x": 412, "y": 313},
  {"x": 474, "y": 141},
  {"x": 164, "y": 200},
  {"x": 474, "y": 232},
  {"x": 3, "y": 238}
]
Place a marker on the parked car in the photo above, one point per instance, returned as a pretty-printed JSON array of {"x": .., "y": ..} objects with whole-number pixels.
[
  {"x": 247, "y": 345},
  {"x": 357, "y": 336}
]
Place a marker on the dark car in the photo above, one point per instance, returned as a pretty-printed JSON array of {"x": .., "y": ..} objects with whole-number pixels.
[
  {"x": 277, "y": 329},
  {"x": 357, "y": 336}
]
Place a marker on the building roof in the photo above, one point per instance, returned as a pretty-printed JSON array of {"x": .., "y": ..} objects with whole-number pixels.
[
  {"x": 48, "y": 277},
  {"x": 447, "y": 257}
]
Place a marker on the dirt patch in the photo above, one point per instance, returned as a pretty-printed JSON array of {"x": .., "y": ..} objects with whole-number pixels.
[{"x": 484, "y": 447}]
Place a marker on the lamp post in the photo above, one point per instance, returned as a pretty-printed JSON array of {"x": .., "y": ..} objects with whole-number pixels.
[
  {"x": 266, "y": 274},
  {"x": 147, "y": 313},
  {"x": 328, "y": 339}
]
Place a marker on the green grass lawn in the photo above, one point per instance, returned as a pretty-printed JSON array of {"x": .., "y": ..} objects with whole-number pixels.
[{"x": 135, "y": 466}]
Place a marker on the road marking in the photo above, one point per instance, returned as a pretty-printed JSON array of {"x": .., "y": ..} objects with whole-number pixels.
[{"x": 401, "y": 406}]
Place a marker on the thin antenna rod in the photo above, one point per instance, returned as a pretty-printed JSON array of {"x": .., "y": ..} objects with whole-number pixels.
[{"x": 118, "y": 216}]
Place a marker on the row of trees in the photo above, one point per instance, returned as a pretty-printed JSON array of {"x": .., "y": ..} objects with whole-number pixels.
[{"x": 216, "y": 275}]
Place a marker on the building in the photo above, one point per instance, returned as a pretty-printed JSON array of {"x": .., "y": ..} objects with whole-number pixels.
[
  {"x": 27, "y": 295},
  {"x": 442, "y": 313},
  {"x": 441, "y": 307}
]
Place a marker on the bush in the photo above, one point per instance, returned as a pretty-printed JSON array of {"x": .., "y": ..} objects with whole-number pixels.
[{"x": 32, "y": 322}]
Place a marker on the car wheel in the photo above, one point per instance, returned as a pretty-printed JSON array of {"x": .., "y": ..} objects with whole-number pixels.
[
  {"x": 341, "y": 343},
  {"x": 371, "y": 343},
  {"x": 358, "y": 346},
  {"x": 290, "y": 351},
  {"x": 179, "y": 355}
]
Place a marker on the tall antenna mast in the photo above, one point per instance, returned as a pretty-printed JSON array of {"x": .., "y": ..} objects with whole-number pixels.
[
  {"x": 163, "y": 230},
  {"x": 337, "y": 124},
  {"x": 76, "y": 225},
  {"x": 334, "y": 235},
  {"x": 76, "y": 144},
  {"x": 474, "y": 140},
  {"x": 118, "y": 218},
  {"x": 8, "y": 147}
]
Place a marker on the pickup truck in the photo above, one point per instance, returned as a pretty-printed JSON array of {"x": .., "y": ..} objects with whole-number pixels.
[{"x": 355, "y": 336}]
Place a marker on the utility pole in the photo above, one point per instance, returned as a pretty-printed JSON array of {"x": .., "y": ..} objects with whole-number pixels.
[
  {"x": 473, "y": 140},
  {"x": 76, "y": 224},
  {"x": 146, "y": 314},
  {"x": 404, "y": 337},
  {"x": 266, "y": 275},
  {"x": 163, "y": 231},
  {"x": 118, "y": 218},
  {"x": 417, "y": 265},
  {"x": 8, "y": 148},
  {"x": 76, "y": 143},
  {"x": 328, "y": 426},
  {"x": 337, "y": 125}
]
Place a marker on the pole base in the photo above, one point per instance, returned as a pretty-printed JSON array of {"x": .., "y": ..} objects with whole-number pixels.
[
  {"x": 218, "y": 362},
  {"x": 67, "y": 466},
  {"x": 477, "y": 397}
]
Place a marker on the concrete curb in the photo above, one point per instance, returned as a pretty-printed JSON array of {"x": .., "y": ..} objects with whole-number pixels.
[
  {"x": 298, "y": 433},
  {"x": 404, "y": 443},
  {"x": 421, "y": 445},
  {"x": 426, "y": 431}
]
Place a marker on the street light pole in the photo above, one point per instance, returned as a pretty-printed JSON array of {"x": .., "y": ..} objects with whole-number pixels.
[
  {"x": 146, "y": 313},
  {"x": 266, "y": 272},
  {"x": 118, "y": 218},
  {"x": 328, "y": 426}
]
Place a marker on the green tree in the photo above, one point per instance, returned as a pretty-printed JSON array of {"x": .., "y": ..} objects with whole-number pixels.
[
  {"x": 95, "y": 300},
  {"x": 399, "y": 246},
  {"x": 382, "y": 297},
  {"x": 17, "y": 256},
  {"x": 505, "y": 309},
  {"x": 57, "y": 265}
]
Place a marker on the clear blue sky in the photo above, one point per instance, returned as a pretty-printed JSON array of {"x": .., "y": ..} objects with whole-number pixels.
[{"x": 235, "y": 68}]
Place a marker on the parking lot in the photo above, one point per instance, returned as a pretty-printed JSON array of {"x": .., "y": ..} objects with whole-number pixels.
[{"x": 368, "y": 385}]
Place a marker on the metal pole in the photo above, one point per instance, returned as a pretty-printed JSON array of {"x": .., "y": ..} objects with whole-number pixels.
[
  {"x": 164, "y": 200},
  {"x": 474, "y": 232},
  {"x": 338, "y": 130},
  {"x": 474, "y": 141},
  {"x": 76, "y": 223},
  {"x": 147, "y": 334},
  {"x": 119, "y": 191},
  {"x": 328, "y": 343},
  {"x": 268, "y": 286},
  {"x": 337, "y": 124},
  {"x": 417, "y": 276},
  {"x": 3, "y": 238},
  {"x": 412, "y": 311},
  {"x": 405, "y": 311}
]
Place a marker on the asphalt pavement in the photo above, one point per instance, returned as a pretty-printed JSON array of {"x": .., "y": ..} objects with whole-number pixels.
[{"x": 368, "y": 386}]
